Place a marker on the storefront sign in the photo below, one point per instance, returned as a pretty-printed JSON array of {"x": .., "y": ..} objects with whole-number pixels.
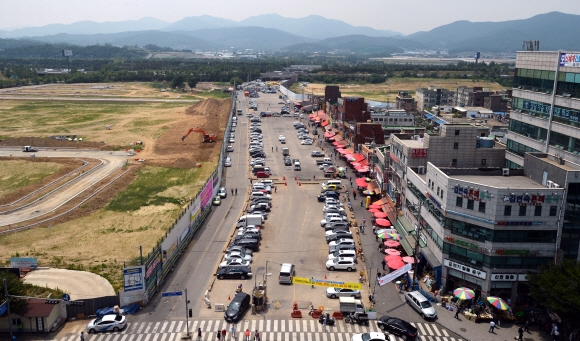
[
  {"x": 394, "y": 274},
  {"x": 538, "y": 107},
  {"x": 570, "y": 59},
  {"x": 379, "y": 176},
  {"x": 471, "y": 194},
  {"x": 531, "y": 200},
  {"x": 509, "y": 277},
  {"x": 465, "y": 269},
  {"x": 504, "y": 252},
  {"x": 421, "y": 235},
  {"x": 433, "y": 199},
  {"x": 471, "y": 246},
  {"x": 416, "y": 152}
]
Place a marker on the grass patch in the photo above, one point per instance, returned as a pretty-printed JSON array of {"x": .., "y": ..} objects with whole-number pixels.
[
  {"x": 215, "y": 94},
  {"x": 151, "y": 182},
  {"x": 15, "y": 174}
]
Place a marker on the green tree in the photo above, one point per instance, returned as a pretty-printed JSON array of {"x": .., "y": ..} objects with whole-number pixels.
[
  {"x": 15, "y": 288},
  {"x": 192, "y": 81},
  {"x": 236, "y": 80},
  {"x": 556, "y": 287},
  {"x": 177, "y": 81}
]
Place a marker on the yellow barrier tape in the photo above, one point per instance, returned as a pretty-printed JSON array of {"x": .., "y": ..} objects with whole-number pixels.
[{"x": 326, "y": 283}]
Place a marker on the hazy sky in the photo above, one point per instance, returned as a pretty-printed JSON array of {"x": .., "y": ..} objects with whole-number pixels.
[{"x": 406, "y": 16}]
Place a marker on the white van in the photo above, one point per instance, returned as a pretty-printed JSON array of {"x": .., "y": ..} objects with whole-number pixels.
[
  {"x": 286, "y": 273},
  {"x": 297, "y": 166},
  {"x": 420, "y": 303},
  {"x": 338, "y": 183},
  {"x": 256, "y": 195},
  {"x": 282, "y": 140},
  {"x": 235, "y": 118}
]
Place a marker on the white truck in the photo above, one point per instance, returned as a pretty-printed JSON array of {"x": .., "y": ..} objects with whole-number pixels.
[
  {"x": 250, "y": 219},
  {"x": 351, "y": 305},
  {"x": 29, "y": 149}
]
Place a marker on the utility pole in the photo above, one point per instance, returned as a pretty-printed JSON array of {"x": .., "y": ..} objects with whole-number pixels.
[
  {"x": 8, "y": 308},
  {"x": 417, "y": 215}
]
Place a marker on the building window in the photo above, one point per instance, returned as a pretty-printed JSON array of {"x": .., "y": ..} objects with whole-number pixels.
[
  {"x": 456, "y": 132},
  {"x": 507, "y": 210},
  {"x": 455, "y": 145},
  {"x": 454, "y": 162},
  {"x": 429, "y": 183},
  {"x": 481, "y": 207},
  {"x": 470, "y": 204},
  {"x": 483, "y": 161},
  {"x": 437, "y": 190},
  {"x": 553, "y": 211},
  {"x": 538, "y": 211},
  {"x": 459, "y": 201},
  {"x": 523, "y": 211},
  {"x": 441, "y": 194}
]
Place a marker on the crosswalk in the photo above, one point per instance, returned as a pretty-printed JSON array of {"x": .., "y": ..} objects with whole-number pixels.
[{"x": 270, "y": 330}]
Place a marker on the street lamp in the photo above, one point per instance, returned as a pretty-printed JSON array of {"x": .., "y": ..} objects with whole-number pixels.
[{"x": 417, "y": 214}]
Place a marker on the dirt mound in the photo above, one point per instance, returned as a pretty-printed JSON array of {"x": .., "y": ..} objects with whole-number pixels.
[
  {"x": 210, "y": 116},
  {"x": 48, "y": 142}
]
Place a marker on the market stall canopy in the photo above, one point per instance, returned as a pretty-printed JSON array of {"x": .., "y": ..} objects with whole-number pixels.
[
  {"x": 375, "y": 206},
  {"x": 498, "y": 303},
  {"x": 395, "y": 264},
  {"x": 383, "y": 222},
  {"x": 380, "y": 214},
  {"x": 409, "y": 260},
  {"x": 392, "y": 257},
  {"x": 393, "y": 252},
  {"x": 392, "y": 243},
  {"x": 464, "y": 293}
]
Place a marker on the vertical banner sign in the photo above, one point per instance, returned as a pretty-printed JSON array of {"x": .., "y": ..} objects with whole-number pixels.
[
  {"x": 206, "y": 193},
  {"x": 133, "y": 278}
]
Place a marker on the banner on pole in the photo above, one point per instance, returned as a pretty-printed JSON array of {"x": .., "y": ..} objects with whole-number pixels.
[
  {"x": 326, "y": 283},
  {"x": 391, "y": 276}
]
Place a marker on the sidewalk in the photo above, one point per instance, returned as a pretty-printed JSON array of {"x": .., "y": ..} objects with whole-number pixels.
[{"x": 388, "y": 296}]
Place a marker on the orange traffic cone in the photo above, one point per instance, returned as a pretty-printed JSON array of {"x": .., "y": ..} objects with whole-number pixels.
[
  {"x": 299, "y": 183},
  {"x": 294, "y": 177},
  {"x": 285, "y": 184},
  {"x": 229, "y": 298},
  {"x": 324, "y": 276},
  {"x": 283, "y": 177}
]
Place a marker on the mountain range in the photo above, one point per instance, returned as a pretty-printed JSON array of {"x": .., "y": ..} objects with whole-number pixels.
[{"x": 309, "y": 34}]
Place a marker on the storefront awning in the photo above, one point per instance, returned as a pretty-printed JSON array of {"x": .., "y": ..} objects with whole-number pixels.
[
  {"x": 408, "y": 243},
  {"x": 431, "y": 258}
]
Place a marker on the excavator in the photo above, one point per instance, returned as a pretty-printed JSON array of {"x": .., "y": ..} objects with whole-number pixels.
[{"x": 206, "y": 137}]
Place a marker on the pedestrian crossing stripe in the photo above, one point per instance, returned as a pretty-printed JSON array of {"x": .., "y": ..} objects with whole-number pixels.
[{"x": 270, "y": 330}]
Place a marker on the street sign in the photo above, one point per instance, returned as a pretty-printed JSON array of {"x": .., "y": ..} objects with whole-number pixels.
[
  {"x": 171, "y": 293},
  {"x": 65, "y": 297}
]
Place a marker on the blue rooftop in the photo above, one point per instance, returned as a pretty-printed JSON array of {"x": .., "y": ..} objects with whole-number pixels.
[{"x": 435, "y": 119}]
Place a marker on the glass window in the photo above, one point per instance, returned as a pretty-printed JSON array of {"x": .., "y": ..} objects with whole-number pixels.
[
  {"x": 570, "y": 77},
  {"x": 470, "y": 204},
  {"x": 577, "y": 78},
  {"x": 538, "y": 211},
  {"x": 459, "y": 201},
  {"x": 455, "y": 145},
  {"x": 441, "y": 193},
  {"x": 481, "y": 207},
  {"x": 523, "y": 211},
  {"x": 456, "y": 131},
  {"x": 507, "y": 210},
  {"x": 553, "y": 211},
  {"x": 483, "y": 161}
]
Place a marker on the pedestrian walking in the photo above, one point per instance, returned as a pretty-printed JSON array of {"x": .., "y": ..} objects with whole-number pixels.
[
  {"x": 275, "y": 189},
  {"x": 351, "y": 179},
  {"x": 324, "y": 324},
  {"x": 232, "y": 191},
  {"x": 364, "y": 221},
  {"x": 374, "y": 228},
  {"x": 224, "y": 332},
  {"x": 236, "y": 191},
  {"x": 457, "y": 312},
  {"x": 272, "y": 149},
  {"x": 491, "y": 327},
  {"x": 350, "y": 183},
  {"x": 82, "y": 336},
  {"x": 198, "y": 334},
  {"x": 312, "y": 282},
  {"x": 276, "y": 148},
  {"x": 354, "y": 194},
  {"x": 527, "y": 326},
  {"x": 362, "y": 229},
  {"x": 233, "y": 331},
  {"x": 247, "y": 334},
  {"x": 219, "y": 335},
  {"x": 384, "y": 263},
  {"x": 521, "y": 334},
  {"x": 362, "y": 202},
  {"x": 256, "y": 336},
  {"x": 314, "y": 177}
]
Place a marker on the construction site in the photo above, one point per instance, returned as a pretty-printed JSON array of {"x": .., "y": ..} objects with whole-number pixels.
[{"x": 109, "y": 174}]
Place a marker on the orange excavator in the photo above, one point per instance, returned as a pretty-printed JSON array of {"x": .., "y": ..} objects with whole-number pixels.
[{"x": 206, "y": 137}]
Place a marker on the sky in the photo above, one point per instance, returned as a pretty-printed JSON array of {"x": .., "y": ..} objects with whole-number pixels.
[{"x": 406, "y": 16}]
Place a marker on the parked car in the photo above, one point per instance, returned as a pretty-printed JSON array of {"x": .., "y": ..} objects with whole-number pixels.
[
  {"x": 287, "y": 162},
  {"x": 339, "y": 292},
  {"x": 107, "y": 323},
  {"x": 234, "y": 273},
  {"x": 339, "y": 247},
  {"x": 262, "y": 174},
  {"x": 337, "y": 224},
  {"x": 342, "y": 253},
  {"x": 237, "y": 307},
  {"x": 317, "y": 154},
  {"x": 343, "y": 263},
  {"x": 398, "y": 327},
  {"x": 231, "y": 140},
  {"x": 307, "y": 142},
  {"x": 420, "y": 303},
  {"x": 229, "y": 148},
  {"x": 372, "y": 336},
  {"x": 217, "y": 201},
  {"x": 222, "y": 192},
  {"x": 234, "y": 263},
  {"x": 343, "y": 241},
  {"x": 239, "y": 255},
  {"x": 236, "y": 248}
]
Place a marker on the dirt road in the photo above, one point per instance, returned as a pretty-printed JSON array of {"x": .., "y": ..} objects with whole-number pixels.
[{"x": 110, "y": 162}]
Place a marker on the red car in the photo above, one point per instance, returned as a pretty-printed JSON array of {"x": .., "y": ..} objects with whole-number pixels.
[{"x": 262, "y": 174}]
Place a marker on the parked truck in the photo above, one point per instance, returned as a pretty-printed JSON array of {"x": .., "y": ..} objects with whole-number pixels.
[
  {"x": 324, "y": 161},
  {"x": 351, "y": 305},
  {"x": 250, "y": 219},
  {"x": 285, "y": 151},
  {"x": 29, "y": 149}
]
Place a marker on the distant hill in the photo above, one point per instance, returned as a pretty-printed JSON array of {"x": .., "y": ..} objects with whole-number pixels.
[
  {"x": 358, "y": 44},
  {"x": 552, "y": 29},
  {"x": 198, "y": 23},
  {"x": 313, "y": 26},
  {"x": 88, "y": 27}
]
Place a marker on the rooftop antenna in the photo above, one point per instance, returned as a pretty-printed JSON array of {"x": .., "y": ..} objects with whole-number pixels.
[{"x": 531, "y": 45}]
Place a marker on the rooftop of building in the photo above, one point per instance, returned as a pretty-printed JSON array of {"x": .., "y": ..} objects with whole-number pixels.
[
  {"x": 492, "y": 177},
  {"x": 556, "y": 161},
  {"x": 480, "y": 109}
]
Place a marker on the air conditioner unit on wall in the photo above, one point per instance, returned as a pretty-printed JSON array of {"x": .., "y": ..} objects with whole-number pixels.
[
  {"x": 505, "y": 171},
  {"x": 549, "y": 184}
]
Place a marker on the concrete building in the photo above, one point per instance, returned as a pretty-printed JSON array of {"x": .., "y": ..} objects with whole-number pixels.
[
  {"x": 393, "y": 117},
  {"x": 481, "y": 228},
  {"x": 406, "y": 102},
  {"x": 545, "y": 119},
  {"x": 332, "y": 93},
  {"x": 432, "y": 96},
  {"x": 497, "y": 102},
  {"x": 470, "y": 97}
]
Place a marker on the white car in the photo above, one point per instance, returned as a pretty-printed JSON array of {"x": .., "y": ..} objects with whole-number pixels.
[
  {"x": 229, "y": 148},
  {"x": 107, "y": 323},
  {"x": 373, "y": 336},
  {"x": 237, "y": 255},
  {"x": 227, "y": 163},
  {"x": 331, "y": 232},
  {"x": 326, "y": 221},
  {"x": 307, "y": 142},
  {"x": 342, "y": 253},
  {"x": 332, "y": 207},
  {"x": 333, "y": 202},
  {"x": 233, "y": 263},
  {"x": 265, "y": 182},
  {"x": 281, "y": 137},
  {"x": 338, "y": 292},
  {"x": 343, "y": 263},
  {"x": 232, "y": 140},
  {"x": 343, "y": 241}
]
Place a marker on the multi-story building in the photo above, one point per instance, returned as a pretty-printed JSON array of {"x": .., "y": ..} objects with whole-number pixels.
[
  {"x": 483, "y": 228},
  {"x": 545, "y": 119},
  {"x": 470, "y": 97},
  {"x": 432, "y": 96},
  {"x": 497, "y": 102},
  {"x": 406, "y": 102},
  {"x": 393, "y": 117}
]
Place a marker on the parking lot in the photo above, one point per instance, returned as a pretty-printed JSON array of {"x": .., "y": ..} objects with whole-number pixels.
[{"x": 292, "y": 232}]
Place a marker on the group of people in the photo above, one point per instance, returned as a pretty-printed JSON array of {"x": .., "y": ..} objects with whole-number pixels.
[{"x": 221, "y": 335}]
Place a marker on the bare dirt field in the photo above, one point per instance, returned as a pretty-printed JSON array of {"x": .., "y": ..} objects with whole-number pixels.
[
  {"x": 387, "y": 91},
  {"x": 100, "y": 236}
]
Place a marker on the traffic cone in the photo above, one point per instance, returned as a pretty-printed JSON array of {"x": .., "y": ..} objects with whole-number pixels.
[
  {"x": 324, "y": 276},
  {"x": 229, "y": 298},
  {"x": 285, "y": 183},
  {"x": 283, "y": 177},
  {"x": 294, "y": 177},
  {"x": 299, "y": 183}
]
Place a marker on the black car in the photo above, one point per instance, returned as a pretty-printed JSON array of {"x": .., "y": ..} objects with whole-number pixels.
[
  {"x": 238, "y": 272},
  {"x": 258, "y": 154},
  {"x": 329, "y": 194},
  {"x": 261, "y": 207},
  {"x": 334, "y": 225},
  {"x": 239, "y": 304},
  {"x": 245, "y": 236},
  {"x": 253, "y": 234},
  {"x": 255, "y": 130},
  {"x": 251, "y": 244},
  {"x": 317, "y": 154},
  {"x": 287, "y": 162},
  {"x": 339, "y": 235},
  {"x": 397, "y": 327}
]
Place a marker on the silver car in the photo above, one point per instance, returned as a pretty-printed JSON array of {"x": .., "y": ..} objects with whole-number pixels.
[
  {"x": 338, "y": 292},
  {"x": 234, "y": 263},
  {"x": 107, "y": 323},
  {"x": 237, "y": 255}
]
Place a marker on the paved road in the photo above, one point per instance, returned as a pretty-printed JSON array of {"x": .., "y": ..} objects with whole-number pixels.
[
  {"x": 111, "y": 162},
  {"x": 96, "y": 99}
]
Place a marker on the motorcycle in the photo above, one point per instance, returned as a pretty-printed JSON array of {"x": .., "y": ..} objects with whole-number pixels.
[{"x": 330, "y": 321}]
